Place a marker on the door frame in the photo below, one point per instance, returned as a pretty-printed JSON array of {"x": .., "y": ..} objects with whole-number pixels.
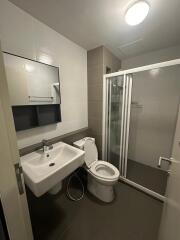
[
  {"x": 170, "y": 220},
  {"x": 125, "y": 127},
  {"x": 14, "y": 203}
]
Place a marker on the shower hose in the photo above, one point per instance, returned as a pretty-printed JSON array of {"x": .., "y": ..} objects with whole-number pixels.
[{"x": 69, "y": 194}]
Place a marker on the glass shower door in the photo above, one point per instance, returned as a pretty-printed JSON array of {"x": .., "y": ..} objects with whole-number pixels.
[
  {"x": 154, "y": 108},
  {"x": 114, "y": 118},
  {"x": 117, "y": 121},
  {"x": 140, "y": 114}
]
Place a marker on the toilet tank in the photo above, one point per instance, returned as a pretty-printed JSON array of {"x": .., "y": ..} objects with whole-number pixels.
[{"x": 80, "y": 143}]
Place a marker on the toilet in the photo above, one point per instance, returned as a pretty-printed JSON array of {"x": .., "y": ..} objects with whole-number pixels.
[{"x": 102, "y": 175}]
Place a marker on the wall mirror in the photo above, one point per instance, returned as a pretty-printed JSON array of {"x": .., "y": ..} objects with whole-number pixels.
[
  {"x": 31, "y": 82},
  {"x": 34, "y": 91}
]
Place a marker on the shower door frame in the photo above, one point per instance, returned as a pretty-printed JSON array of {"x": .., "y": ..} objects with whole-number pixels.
[{"x": 125, "y": 123}]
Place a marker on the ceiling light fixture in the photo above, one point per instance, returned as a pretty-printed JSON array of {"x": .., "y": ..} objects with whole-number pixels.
[{"x": 137, "y": 13}]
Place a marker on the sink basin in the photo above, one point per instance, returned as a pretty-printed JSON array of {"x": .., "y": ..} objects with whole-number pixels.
[{"x": 43, "y": 171}]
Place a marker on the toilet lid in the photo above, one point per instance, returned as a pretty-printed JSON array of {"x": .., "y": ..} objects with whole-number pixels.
[{"x": 91, "y": 153}]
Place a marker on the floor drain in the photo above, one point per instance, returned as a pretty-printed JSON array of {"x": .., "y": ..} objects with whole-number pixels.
[{"x": 51, "y": 164}]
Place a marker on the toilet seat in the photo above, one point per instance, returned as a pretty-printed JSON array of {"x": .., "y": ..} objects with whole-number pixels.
[
  {"x": 104, "y": 170},
  {"x": 91, "y": 153}
]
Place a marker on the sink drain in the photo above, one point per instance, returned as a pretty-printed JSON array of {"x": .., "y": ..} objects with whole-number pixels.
[{"x": 51, "y": 164}]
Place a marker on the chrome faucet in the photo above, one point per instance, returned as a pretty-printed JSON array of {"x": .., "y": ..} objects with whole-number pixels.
[{"x": 46, "y": 146}]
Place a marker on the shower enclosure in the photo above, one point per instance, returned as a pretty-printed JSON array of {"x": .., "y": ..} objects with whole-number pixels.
[{"x": 140, "y": 108}]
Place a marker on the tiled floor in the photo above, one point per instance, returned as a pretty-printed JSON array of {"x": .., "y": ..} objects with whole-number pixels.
[
  {"x": 147, "y": 176},
  {"x": 150, "y": 177},
  {"x": 132, "y": 216}
]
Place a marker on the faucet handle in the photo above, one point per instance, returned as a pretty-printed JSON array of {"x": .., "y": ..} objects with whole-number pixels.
[
  {"x": 45, "y": 142},
  {"x": 50, "y": 147},
  {"x": 46, "y": 145}
]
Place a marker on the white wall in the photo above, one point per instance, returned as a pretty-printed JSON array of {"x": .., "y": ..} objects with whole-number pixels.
[
  {"x": 23, "y": 35},
  {"x": 152, "y": 57}
]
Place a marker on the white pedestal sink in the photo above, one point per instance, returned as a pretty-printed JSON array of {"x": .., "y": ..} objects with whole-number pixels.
[{"x": 44, "y": 171}]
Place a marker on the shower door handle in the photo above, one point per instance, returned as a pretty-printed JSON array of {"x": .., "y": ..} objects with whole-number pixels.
[{"x": 169, "y": 160}]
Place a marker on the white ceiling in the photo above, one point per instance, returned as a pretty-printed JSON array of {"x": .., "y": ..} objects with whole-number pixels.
[{"x": 91, "y": 23}]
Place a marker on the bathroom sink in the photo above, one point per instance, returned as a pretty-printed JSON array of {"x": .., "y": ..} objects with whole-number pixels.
[{"x": 45, "y": 170}]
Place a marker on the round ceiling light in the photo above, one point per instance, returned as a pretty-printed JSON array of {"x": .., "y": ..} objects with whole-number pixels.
[{"x": 137, "y": 13}]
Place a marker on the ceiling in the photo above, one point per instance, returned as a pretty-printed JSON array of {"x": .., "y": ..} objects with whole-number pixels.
[{"x": 91, "y": 23}]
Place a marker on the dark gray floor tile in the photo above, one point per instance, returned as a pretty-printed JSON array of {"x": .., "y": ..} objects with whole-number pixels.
[
  {"x": 131, "y": 216},
  {"x": 147, "y": 176}
]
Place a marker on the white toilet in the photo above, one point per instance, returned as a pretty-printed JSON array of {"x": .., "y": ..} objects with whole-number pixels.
[{"x": 102, "y": 175}]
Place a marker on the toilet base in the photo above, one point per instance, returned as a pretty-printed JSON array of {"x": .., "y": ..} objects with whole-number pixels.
[{"x": 103, "y": 192}]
